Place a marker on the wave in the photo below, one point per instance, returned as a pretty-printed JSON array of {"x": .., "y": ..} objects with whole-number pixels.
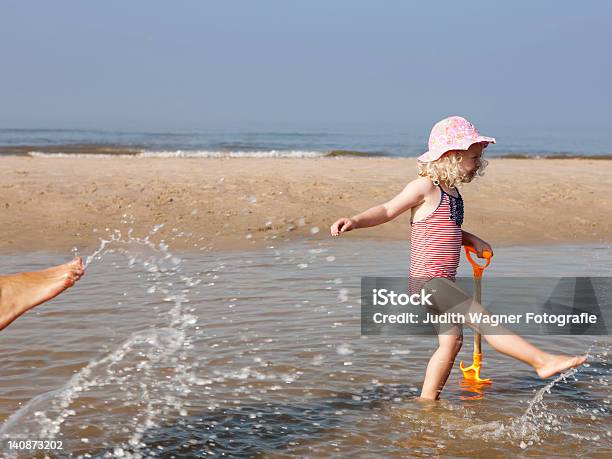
[
  {"x": 71, "y": 150},
  {"x": 365, "y": 154},
  {"x": 94, "y": 150},
  {"x": 105, "y": 151},
  {"x": 184, "y": 154},
  {"x": 233, "y": 154},
  {"x": 552, "y": 156},
  {"x": 274, "y": 154}
]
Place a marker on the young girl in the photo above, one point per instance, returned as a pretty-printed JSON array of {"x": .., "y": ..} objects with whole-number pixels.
[{"x": 454, "y": 158}]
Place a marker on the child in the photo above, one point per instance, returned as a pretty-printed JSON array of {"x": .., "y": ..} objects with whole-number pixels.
[
  {"x": 23, "y": 291},
  {"x": 454, "y": 158}
]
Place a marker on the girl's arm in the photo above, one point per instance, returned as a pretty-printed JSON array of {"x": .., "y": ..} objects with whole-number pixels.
[
  {"x": 412, "y": 195},
  {"x": 472, "y": 240}
]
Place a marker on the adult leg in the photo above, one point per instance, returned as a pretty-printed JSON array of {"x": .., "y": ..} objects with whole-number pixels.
[{"x": 23, "y": 291}]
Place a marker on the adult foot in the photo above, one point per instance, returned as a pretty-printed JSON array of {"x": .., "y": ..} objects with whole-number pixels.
[
  {"x": 23, "y": 291},
  {"x": 554, "y": 364}
]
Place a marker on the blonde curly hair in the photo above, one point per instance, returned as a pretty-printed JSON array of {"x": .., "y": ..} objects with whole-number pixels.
[{"x": 446, "y": 169}]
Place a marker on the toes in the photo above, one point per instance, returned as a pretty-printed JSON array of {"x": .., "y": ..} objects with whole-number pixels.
[
  {"x": 76, "y": 270},
  {"x": 77, "y": 263},
  {"x": 70, "y": 278}
]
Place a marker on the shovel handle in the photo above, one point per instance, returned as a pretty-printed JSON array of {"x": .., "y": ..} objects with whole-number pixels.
[{"x": 478, "y": 269}]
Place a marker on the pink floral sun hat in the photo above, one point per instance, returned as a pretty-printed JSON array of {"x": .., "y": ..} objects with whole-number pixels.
[{"x": 452, "y": 133}]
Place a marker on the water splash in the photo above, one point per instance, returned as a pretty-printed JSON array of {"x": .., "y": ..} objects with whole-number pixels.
[
  {"x": 149, "y": 371},
  {"x": 541, "y": 416}
]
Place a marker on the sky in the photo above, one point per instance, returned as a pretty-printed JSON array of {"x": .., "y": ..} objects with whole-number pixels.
[{"x": 283, "y": 65}]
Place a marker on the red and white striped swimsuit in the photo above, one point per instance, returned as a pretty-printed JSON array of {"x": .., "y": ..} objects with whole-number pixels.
[{"x": 435, "y": 242}]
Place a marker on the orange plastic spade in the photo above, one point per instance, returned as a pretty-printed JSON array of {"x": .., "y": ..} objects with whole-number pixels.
[{"x": 471, "y": 374}]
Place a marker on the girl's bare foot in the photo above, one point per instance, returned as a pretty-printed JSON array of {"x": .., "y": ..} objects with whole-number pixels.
[
  {"x": 23, "y": 291},
  {"x": 553, "y": 364}
]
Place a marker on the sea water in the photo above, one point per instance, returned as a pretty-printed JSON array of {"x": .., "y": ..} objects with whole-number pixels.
[
  {"x": 408, "y": 141},
  {"x": 156, "y": 353}
]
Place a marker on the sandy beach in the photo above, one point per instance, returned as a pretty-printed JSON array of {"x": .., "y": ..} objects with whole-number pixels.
[{"x": 58, "y": 203}]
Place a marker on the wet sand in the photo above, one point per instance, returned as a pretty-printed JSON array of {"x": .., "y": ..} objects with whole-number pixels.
[{"x": 58, "y": 203}]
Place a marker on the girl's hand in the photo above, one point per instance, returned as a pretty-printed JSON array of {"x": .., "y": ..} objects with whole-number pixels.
[
  {"x": 342, "y": 225},
  {"x": 481, "y": 247}
]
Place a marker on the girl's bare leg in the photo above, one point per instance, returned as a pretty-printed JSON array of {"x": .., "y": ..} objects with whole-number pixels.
[
  {"x": 513, "y": 345},
  {"x": 543, "y": 363},
  {"x": 23, "y": 291},
  {"x": 441, "y": 363},
  {"x": 454, "y": 299}
]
